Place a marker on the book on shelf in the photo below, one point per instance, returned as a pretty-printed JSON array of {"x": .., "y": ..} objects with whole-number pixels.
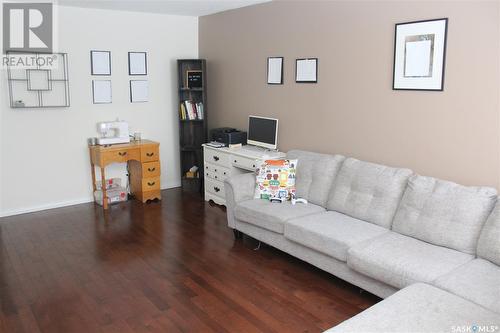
[{"x": 190, "y": 110}]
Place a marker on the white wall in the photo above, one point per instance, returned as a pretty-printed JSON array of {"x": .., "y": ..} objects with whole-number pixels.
[{"x": 44, "y": 159}]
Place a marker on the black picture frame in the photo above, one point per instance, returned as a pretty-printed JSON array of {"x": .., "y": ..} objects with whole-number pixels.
[
  {"x": 296, "y": 71},
  {"x": 445, "y": 42},
  {"x": 131, "y": 92},
  {"x": 145, "y": 64},
  {"x": 93, "y": 93},
  {"x": 282, "y": 66},
  {"x": 92, "y": 72}
]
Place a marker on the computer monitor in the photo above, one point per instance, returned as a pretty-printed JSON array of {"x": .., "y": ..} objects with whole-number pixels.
[{"x": 263, "y": 132}]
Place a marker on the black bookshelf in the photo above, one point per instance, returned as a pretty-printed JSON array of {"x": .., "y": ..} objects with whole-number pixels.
[{"x": 192, "y": 132}]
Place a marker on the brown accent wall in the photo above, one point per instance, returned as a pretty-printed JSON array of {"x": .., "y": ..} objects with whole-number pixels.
[{"x": 352, "y": 110}]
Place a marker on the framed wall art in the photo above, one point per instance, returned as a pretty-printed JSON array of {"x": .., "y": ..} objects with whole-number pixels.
[
  {"x": 419, "y": 55},
  {"x": 137, "y": 63},
  {"x": 101, "y": 91},
  {"x": 139, "y": 91},
  {"x": 275, "y": 70},
  {"x": 306, "y": 70},
  {"x": 100, "y": 62}
]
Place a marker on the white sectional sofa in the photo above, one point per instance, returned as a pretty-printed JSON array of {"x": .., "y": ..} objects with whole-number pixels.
[{"x": 430, "y": 247}]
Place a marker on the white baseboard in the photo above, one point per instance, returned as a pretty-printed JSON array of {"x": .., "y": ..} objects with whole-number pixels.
[
  {"x": 60, "y": 204},
  {"x": 38, "y": 208}
]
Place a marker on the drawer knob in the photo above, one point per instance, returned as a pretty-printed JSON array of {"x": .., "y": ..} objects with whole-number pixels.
[
  {"x": 215, "y": 177},
  {"x": 150, "y": 154},
  {"x": 207, "y": 173},
  {"x": 215, "y": 170},
  {"x": 151, "y": 169},
  {"x": 151, "y": 183},
  {"x": 122, "y": 153},
  {"x": 216, "y": 189},
  {"x": 235, "y": 161},
  {"x": 216, "y": 158},
  {"x": 206, "y": 167},
  {"x": 254, "y": 165}
]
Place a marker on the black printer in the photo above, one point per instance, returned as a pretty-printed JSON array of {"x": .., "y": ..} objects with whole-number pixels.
[{"x": 228, "y": 136}]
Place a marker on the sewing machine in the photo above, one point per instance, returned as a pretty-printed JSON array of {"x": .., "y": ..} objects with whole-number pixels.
[{"x": 112, "y": 132}]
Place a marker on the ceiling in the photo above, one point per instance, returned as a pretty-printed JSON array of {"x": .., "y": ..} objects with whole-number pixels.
[{"x": 171, "y": 7}]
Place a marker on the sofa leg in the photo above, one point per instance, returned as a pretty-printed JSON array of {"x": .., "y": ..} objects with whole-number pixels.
[{"x": 237, "y": 234}]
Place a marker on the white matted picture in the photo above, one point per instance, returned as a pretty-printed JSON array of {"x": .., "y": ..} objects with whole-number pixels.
[
  {"x": 137, "y": 63},
  {"x": 101, "y": 91},
  {"x": 419, "y": 55},
  {"x": 139, "y": 91},
  {"x": 275, "y": 70},
  {"x": 306, "y": 70},
  {"x": 100, "y": 62}
]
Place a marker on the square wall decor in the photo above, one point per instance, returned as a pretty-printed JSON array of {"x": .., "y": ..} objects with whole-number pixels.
[
  {"x": 44, "y": 83},
  {"x": 419, "y": 55}
]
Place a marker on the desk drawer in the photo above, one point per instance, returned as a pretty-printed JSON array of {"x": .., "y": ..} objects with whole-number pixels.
[
  {"x": 211, "y": 174},
  {"x": 216, "y": 157},
  {"x": 151, "y": 169},
  {"x": 245, "y": 163},
  {"x": 150, "y": 153},
  {"x": 120, "y": 156},
  {"x": 216, "y": 171},
  {"x": 150, "y": 184},
  {"x": 215, "y": 187}
]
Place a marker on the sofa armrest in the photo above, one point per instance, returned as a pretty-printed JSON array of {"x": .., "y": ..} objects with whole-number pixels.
[{"x": 238, "y": 188}]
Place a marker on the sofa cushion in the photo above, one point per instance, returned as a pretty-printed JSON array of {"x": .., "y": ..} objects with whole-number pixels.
[
  {"x": 444, "y": 213},
  {"x": 271, "y": 216},
  {"x": 478, "y": 281},
  {"x": 489, "y": 242},
  {"x": 400, "y": 260},
  {"x": 421, "y": 308},
  {"x": 315, "y": 174},
  {"x": 368, "y": 191},
  {"x": 331, "y": 233}
]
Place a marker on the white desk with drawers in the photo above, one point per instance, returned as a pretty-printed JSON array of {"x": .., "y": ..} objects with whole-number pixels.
[{"x": 220, "y": 163}]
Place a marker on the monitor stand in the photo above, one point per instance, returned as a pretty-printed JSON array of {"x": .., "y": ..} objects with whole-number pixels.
[{"x": 260, "y": 149}]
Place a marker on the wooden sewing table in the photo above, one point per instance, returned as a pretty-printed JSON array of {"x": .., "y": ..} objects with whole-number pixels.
[{"x": 143, "y": 158}]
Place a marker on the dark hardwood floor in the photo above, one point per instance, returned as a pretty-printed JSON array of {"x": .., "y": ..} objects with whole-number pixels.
[{"x": 172, "y": 266}]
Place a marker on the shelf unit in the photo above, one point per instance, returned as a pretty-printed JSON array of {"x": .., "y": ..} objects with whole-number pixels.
[{"x": 192, "y": 133}]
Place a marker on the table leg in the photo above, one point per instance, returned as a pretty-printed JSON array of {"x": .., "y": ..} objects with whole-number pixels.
[
  {"x": 104, "y": 196},
  {"x": 92, "y": 166}
]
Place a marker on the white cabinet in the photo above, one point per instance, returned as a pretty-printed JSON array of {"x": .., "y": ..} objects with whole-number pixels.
[{"x": 220, "y": 163}]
